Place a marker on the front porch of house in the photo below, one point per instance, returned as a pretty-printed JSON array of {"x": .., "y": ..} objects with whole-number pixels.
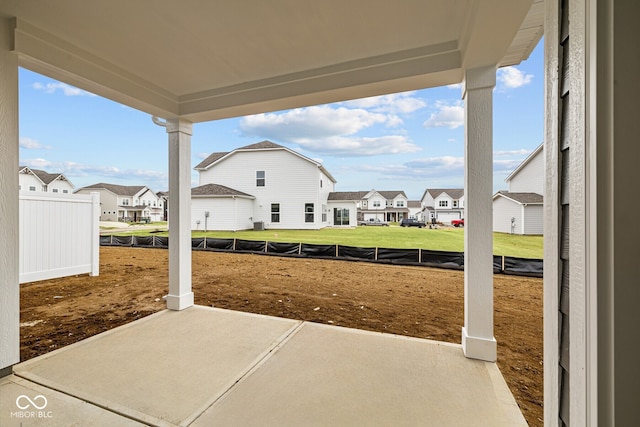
[{"x": 204, "y": 366}]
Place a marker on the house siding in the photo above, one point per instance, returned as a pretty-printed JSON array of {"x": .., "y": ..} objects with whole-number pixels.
[
  {"x": 108, "y": 203},
  {"x": 28, "y": 180},
  {"x": 289, "y": 180},
  {"x": 225, "y": 213},
  {"x": 530, "y": 179},
  {"x": 503, "y": 210},
  {"x": 533, "y": 219}
]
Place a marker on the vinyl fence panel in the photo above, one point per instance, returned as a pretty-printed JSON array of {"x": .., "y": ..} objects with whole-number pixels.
[{"x": 59, "y": 235}]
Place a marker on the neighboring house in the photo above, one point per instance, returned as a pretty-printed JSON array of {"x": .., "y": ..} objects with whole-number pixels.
[
  {"x": 343, "y": 207},
  {"x": 415, "y": 209},
  {"x": 164, "y": 197},
  {"x": 126, "y": 203},
  {"x": 520, "y": 210},
  {"x": 443, "y": 205},
  {"x": 372, "y": 205},
  {"x": 44, "y": 182},
  {"x": 269, "y": 185}
]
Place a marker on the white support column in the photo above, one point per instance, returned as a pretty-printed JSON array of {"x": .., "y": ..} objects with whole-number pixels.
[
  {"x": 180, "y": 294},
  {"x": 9, "y": 241},
  {"x": 477, "y": 334}
]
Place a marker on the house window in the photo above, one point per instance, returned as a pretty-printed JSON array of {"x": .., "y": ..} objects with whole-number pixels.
[
  {"x": 324, "y": 213},
  {"x": 308, "y": 212},
  {"x": 65, "y": 191},
  {"x": 32, "y": 188},
  {"x": 275, "y": 212},
  {"x": 443, "y": 203},
  {"x": 44, "y": 188},
  {"x": 260, "y": 179},
  {"x": 455, "y": 203},
  {"x": 400, "y": 203},
  {"x": 376, "y": 203},
  {"x": 55, "y": 190},
  {"x": 125, "y": 202},
  {"x": 320, "y": 183},
  {"x": 340, "y": 216}
]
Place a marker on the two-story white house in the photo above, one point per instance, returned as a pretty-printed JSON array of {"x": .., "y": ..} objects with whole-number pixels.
[
  {"x": 520, "y": 210},
  {"x": 372, "y": 205},
  {"x": 126, "y": 203},
  {"x": 443, "y": 205},
  {"x": 261, "y": 185},
  {"x": 43, "y": 182}
]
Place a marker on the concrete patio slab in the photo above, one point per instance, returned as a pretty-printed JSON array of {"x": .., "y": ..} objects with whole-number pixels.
[
  {"x": 23, "y": 403},
  {"x": 327, "y": 375},
  {"x": 164, "y": 369},
  {"x": 204, "y": 366}
]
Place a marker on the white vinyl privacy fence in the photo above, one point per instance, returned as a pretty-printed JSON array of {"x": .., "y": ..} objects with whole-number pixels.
[{"x": 59, "y": 235}]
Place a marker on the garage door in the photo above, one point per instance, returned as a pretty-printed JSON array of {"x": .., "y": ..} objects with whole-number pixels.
[{"x": 447, "y": 217}]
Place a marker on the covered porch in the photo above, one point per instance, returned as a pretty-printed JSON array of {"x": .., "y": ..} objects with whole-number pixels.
[
  {"x": 204, "y": 366},
  {"x": 196, "y": 64}
]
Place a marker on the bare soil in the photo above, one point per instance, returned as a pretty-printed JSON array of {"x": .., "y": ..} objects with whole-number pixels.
[{"x": 414, "y": 301}]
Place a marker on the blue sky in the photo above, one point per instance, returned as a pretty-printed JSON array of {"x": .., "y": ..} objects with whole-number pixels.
[{"x": 408, "y": 141}]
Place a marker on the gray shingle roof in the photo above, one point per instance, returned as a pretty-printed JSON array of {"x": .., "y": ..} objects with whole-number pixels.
[
  {"x": 524, "y": 198},
  {"x": 347, "y": 195},
  {"x": 454, "y": 193},
  {"x": 44, "y": 176},
  {"x": 261, "y": 145},
  {"x": 120, "y": 190},
  {"x": 414, "y": 204},
  {"x": 217, "y": 190},
  {"x": 389, "y": 195}
]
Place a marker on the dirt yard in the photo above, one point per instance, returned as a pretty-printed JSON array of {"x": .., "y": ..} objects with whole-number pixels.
[{"x": 415, "y": 301}]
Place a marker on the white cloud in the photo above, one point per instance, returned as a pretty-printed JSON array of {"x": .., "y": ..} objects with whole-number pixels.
[
  {"x": 330, "y": 131},
  {"x": 512, "y": 78},
  {"x": 448, "y": 115},
  {"x": 397, "y": 103},
  {"x": 66, "y": 89},
  {"x": 451, "y": 140},
  {"x": 151, "y": 178},
  {"x": 521, "y": 152},
  {"x": 312, "y": 122},
  {"x": 31, "y": 144}
]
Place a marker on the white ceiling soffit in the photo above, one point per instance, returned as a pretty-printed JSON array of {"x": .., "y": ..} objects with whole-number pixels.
[{"x": 210, "y": 60}]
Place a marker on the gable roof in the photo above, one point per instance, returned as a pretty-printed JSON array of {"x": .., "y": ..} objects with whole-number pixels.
[
  {"x": 216, "y": 190},
  {"x": 390, "y": 195},
  {"x": 522, "y": 198},
  {"x": 45, "y": 177},
  {"x": 414, "y": 204},
  {"x": 524, "y": 162},
  {"x": 258, "y": 146},
  {"x": 347, "y": 195},
  {"x": 119, "y": 190},
  {"x": 454, "y": 193}
]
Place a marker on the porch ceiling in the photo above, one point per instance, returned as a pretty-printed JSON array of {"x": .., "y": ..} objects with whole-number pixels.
[{"x": 211, "y": 60}]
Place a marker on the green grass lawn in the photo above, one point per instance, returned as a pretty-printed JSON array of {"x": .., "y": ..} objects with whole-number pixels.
[{"x": 442, "y": 239}]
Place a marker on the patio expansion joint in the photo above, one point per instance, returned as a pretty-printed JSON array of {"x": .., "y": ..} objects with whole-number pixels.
[
  {"x": 259, "y": 362},
  {"x": 34, "y": 379}
]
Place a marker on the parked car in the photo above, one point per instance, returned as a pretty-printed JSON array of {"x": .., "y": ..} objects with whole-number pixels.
[
  {"x": 373, "y": 221},
  {"x": 458, "y": 222},
  {"x": 412, "y": 222}
]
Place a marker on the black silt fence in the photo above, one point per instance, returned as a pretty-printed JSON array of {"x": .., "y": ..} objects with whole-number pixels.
[
  {"x": 451, "y": 260},
  {"x": 423, "y": 257},
  {"x": 354, "y": 252},
  {"x": 398, "y": 256},
  {"x": 250, "y": 246},
  {"x": 283, "y": 248},
  {"x": 219, "y": 244},
  {"x": 318, "y": 251}
]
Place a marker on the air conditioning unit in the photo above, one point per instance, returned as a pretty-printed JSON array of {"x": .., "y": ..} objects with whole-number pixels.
[{"x": 258, "y": 226}]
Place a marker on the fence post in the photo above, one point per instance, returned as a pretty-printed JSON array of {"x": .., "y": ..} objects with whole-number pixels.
[
  {"x": 299, "y": 248},
  {"x": 375, "y": 257},
  {"x": 95, "y": 233},
  {"x": 419, "y": 255}
]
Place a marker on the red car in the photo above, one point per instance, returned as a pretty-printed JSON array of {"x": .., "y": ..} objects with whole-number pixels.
[{"x": 458, "y": 222}]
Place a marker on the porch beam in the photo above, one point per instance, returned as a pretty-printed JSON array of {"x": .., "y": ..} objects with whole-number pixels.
[
  {"x": 9, "y": 242},
  {"x": 180, "y": 293},
  {"x": 477, "y": 334}
]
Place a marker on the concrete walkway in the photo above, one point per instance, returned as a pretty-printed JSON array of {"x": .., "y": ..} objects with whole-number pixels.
[{"x": 204, "y": 366}]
